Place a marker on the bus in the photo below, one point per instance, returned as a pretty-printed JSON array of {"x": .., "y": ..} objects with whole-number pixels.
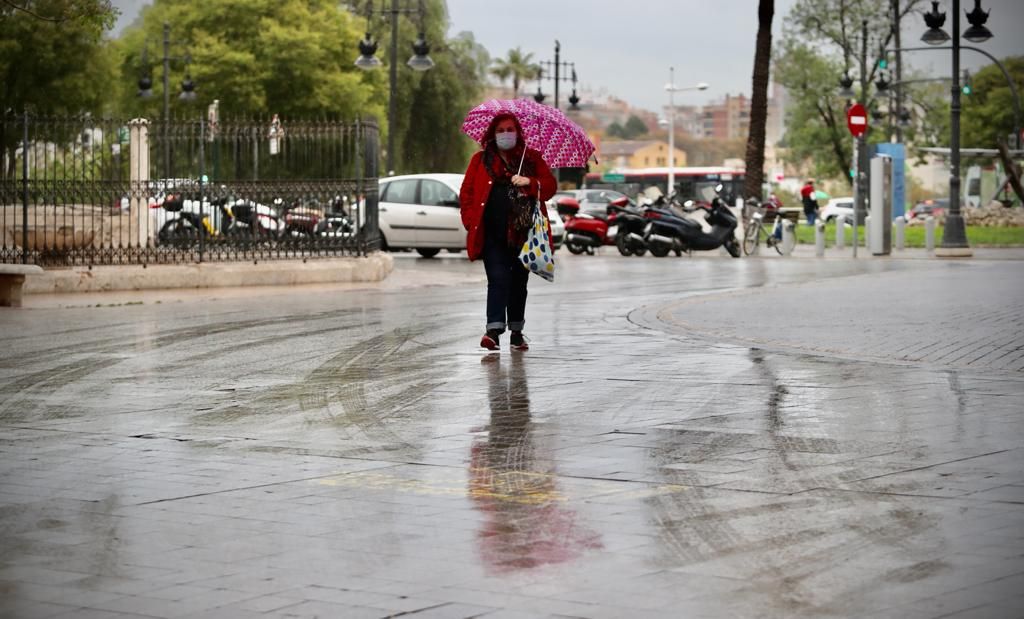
[{"x": 690, "y": 182}]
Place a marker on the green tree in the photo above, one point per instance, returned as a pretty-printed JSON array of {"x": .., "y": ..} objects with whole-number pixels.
[
  {"x": 295, "y": 58},
  {"x": 822, "y": 39},
  {"x": 257, "y": 57},
  {"x": 53, "y": 60},
  {"x": 634, "y": 128},
  {"x": 516, "y": 65},
  {"x": 615, "y": 130},
  {"x": 987, "y": 114},
  {"x": 759, "y": 100}
]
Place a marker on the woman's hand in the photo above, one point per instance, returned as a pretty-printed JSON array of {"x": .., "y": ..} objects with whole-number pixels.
[{"x": 520, "y": 181}]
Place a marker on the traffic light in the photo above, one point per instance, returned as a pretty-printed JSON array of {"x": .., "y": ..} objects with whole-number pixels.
[
  {"x": 967, "y": 89},
  {"x": 883, "y": 64}
]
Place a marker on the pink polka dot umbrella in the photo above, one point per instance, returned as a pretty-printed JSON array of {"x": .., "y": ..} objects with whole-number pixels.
[{"x": 561, "y": 142}]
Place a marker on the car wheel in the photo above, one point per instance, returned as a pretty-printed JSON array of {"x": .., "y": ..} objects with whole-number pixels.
[{"x": 427, "y": 252}]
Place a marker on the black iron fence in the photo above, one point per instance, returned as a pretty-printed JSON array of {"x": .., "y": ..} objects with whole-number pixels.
[{"x": 86, "y": 191}]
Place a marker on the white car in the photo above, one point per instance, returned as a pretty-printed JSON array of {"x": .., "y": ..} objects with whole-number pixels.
[
  {"x": 421, "y": 212},
  {"x": 557, "y": 226},
  {"x": 836, "y": 207}
]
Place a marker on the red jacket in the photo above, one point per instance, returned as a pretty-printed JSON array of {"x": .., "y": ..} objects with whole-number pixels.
[{"x": 476, "y": 188}]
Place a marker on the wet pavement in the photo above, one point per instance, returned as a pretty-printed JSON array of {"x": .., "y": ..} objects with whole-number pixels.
[{"x": 698, "y": 437}]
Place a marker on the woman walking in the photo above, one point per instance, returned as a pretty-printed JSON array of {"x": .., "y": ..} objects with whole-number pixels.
[{"x": 503, "y": 181}]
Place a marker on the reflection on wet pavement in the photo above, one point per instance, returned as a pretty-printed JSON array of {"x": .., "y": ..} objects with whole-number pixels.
[
  {"x": 512, "y": 478},
  {"x": 679, "y": 441}
]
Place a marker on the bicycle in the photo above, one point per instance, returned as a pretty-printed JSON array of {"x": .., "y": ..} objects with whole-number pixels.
[{"x": 755, "y": 229}]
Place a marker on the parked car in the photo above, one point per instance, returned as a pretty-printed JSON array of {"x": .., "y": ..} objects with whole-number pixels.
[
  {"x": 924, "y": 208},
  {"x": 841, "y": 206},
  {"x": 421, "y": 212},
  {"x": 557, "y": 225}
]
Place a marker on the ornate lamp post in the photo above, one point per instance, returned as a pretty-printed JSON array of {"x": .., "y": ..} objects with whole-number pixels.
[
  {"x": 954, "y": 234},
  {"x": 420, "y": 61},
  {"x": 556, "y": 68},
  {"x": 188, "y": 89}
]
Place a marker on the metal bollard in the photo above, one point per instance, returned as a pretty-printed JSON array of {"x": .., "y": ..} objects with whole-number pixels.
[
  {"x": 929, "y": 233},
  {"x": 788, "y": 237},
  {"x": 867, "y": 232},
  {"x": 899, "y": 226},
  {"x": 840, "y": 231},
  {"x": 819, "y": 238}
]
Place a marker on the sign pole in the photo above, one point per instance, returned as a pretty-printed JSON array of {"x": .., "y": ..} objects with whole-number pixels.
[{"x": 857, "y": 123}]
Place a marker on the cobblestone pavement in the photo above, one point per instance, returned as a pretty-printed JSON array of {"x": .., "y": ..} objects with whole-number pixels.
[{"x": 695, "y": 437}]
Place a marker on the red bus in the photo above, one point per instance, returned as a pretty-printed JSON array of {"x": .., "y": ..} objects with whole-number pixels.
[{"x": 690, "y": 182}]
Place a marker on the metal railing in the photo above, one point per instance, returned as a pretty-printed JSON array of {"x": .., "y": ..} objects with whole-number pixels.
[{"x": 83, "y": 191}]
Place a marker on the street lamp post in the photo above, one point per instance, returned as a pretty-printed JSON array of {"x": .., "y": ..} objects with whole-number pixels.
[
  {"x": 954, "y": 233},
  {"x": 420, "y": 61},
  {"x": 556, "y": 68},
  {"x": 188, "y": 88},
  {"x": 672, "y": 89}
]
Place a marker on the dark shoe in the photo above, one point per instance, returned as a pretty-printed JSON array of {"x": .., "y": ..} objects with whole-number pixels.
[
  {"x": 490, "y": 340},
  {"x": 518, "y": 341}
]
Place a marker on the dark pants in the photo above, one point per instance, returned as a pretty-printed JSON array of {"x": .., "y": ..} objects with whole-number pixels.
[
  {"x": 810, "y": 211},
  {"x": 506, "y": 286}
]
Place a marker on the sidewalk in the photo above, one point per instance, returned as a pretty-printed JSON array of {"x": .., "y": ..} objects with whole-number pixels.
[
  {"x": 687, "y": 437},
  {"x": 371, "y": 268}
]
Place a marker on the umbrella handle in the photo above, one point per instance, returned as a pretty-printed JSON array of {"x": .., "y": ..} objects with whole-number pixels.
[{"x": 521, "y": 161}]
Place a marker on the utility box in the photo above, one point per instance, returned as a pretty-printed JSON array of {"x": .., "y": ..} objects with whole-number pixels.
[{"x": 880, "y": 234}]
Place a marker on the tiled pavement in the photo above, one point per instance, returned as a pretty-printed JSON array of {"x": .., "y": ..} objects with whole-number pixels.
[{"x": 688, "y": 437}]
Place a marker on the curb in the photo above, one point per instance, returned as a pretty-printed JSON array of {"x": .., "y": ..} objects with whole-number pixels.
[{"x": 372, "y": 268}]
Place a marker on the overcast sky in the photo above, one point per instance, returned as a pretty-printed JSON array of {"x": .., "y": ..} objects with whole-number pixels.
[{"x": 625, "y": 48}]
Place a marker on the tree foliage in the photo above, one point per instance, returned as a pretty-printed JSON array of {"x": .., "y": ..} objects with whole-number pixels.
[
  {"x": 634, "y": 127},
  {"x": 987, "y": 113},
  {"x": 518, "y": 66},
  {"x": 53, "y": 61},
  {"x": 52, "y": 56},
  {"x": 822, "y": 39},
  {"x": 295, "y": 58}
]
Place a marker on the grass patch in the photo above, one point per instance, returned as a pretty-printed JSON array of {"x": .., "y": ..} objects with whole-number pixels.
[{"x": 977, "y": 236}]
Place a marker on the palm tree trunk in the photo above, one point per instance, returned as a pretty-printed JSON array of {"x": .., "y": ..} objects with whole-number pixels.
[{"x": 759, "y": 101}]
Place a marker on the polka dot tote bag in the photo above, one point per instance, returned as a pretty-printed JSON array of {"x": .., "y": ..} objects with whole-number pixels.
[{"x": 536, "y": 255}]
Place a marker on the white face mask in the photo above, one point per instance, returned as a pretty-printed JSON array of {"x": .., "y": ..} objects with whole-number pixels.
[{"x": 505, "y": 141}]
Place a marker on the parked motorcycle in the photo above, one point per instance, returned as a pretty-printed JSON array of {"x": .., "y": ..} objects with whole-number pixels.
[
  {"x": 667, "y": 230},
  {"x": 584, "y": 232},
  {"x": 246, "y": 219},
  {"x": 630, "y": 222},
  {"x": 188, "y": 225},
  {"x": 301, "y": 219}
]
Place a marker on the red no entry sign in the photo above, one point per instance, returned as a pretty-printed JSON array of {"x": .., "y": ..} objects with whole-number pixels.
[{"x": 857, "y": 120}]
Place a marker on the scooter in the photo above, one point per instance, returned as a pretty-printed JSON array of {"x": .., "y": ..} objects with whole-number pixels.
[
  {"x": 666, "y": 231},
  {"x": 585, "y": 232},
  {"x": 245, "y": 219},
  {"x": 630, "y": 222}
]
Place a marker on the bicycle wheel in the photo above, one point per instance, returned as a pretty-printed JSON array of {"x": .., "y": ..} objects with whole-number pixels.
[{"x": 750, "y": 238}]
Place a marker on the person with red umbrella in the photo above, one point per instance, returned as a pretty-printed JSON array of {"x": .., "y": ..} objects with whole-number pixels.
[{"x": 502, "y": 183}]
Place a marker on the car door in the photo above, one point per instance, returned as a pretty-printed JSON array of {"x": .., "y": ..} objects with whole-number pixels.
[
  {"x": 438, "y": 219},
  {"x": 397, "y": 209}
]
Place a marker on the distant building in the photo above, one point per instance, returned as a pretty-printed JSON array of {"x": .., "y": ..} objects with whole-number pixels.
[
  {"x": 638, "y": 154},
  {"x": 728, "y": 119}
]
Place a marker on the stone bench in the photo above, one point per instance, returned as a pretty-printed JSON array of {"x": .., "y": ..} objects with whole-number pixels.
[{"x": 12, "y": 278}]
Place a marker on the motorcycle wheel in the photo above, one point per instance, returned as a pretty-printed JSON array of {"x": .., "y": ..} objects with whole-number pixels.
[
  {"x": 178, "y": 233},
  {"x": 575, "y": 248},
  {"x": 624, "y": 249},
  {"x": 639, "y": 251},
  {"x": 659, "y": 251},
  {"x": 733, "y": 247}
]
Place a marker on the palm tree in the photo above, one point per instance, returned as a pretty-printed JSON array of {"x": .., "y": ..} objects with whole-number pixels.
[
  {"x": 517, "y": 66},
  {"x": 759, "y": 101}
]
